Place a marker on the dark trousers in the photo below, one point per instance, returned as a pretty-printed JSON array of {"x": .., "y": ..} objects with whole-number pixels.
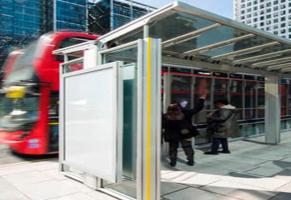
[
  {"x": 216, "y": 142},
  {"x": 187, "y": 147}
]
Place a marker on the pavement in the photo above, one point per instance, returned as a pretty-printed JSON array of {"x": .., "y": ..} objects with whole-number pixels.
[{"x": 253, "y": 171}]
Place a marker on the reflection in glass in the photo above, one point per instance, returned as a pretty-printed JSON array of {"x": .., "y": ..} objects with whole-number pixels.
[
  {"x": 250, "y": 99},
  {"x": 236, "y": 95},
  {"x": 128, "y": 72}
]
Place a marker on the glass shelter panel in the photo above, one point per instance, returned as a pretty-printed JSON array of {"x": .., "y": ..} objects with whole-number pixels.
[
  {"x": 236, "y": 95},
  {"x": 181, "y": 89},
  {"x": 209, "y": 39},
  {"x": 129, "y": 145}
]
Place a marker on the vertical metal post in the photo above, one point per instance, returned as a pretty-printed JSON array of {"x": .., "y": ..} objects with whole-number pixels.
[
  {"x": 167, "y": 91},
  {"x": 54, "y": 15},
  {"x": 272, "y": 110},
  {"x": 149, "y": 136},
  {"x": 111, "y": 14},
  {"x": 146, "y": 31},
  {"x": 212, "y": 90},
  {"x": 243, "y": 98},
  {"x": 61, "y": 120},
  {"x": 192, "y": 89}
]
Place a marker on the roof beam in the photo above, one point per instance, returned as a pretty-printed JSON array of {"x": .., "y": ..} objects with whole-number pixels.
[
  {"x": 216, "y": 67},
  {"x": 270, "y": 62},
  {"x": 277, "y": 67},
  {"x": 286, "y": 70},
  {"x": 188, "y": 36},
  {"x": 219, "y": 44},
  {"x": 245, "y": 51},
  {"x": 261, "y": 57}
]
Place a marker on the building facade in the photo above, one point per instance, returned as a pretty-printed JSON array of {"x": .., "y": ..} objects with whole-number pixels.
[
  {"x": 107, "y": 15},
  {"x": 24, "y": 20},
  {"x": 269, "y": 15}
]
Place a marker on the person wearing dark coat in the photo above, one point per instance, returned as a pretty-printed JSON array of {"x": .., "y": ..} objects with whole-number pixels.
[{"x": 178, "y": 128}]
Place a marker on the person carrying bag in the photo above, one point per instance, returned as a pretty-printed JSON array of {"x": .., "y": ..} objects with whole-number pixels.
[{"x": 223, "y": 123}]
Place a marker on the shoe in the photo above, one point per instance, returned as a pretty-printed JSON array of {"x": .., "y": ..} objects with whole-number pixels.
[
  {"x": 224, "y": 151},
  {"x": 190, "y": 163},
  {"x": 211, "y": 153},
  {"x": 173, "y": 164}
]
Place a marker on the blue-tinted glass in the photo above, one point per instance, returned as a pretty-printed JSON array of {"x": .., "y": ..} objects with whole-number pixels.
[{"x": 71, "y": 14}]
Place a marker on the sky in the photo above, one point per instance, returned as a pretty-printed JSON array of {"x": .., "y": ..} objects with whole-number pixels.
[{"x": 220, "y": 7}]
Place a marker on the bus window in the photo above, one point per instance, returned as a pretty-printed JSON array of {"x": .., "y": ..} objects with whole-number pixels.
[
  {"x": 54, "y": 121},
  {"x": 69, "y": 42}
]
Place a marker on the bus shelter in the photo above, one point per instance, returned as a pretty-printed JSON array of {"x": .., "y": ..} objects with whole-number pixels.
[{"x": 110, "y": 126}]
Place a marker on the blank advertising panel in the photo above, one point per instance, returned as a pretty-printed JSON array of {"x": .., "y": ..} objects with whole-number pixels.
[{"x": 90, "y": 122}]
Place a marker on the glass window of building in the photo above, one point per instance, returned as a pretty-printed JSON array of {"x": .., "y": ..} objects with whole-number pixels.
[
  {"x": 275, "y": 2},
  {"x": 275, "y": 8},
  {"x": 283, "y": 25},
  {"x": 275, "y": 14},
  {"x": 283, "y": 31},
  {"x": 283, "y": 18},
  {"x": 256, "y": 8},
  {"x": 276, "y": 20},
  {"x": 249, "y": 10},
  {"x": 283, "y": 12},
  {"x": 249, "y": 4},
  {"x": 268, "y": 16}
]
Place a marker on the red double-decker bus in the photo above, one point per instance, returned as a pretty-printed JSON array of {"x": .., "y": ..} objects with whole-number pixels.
[{"x": 30, "y": 94}]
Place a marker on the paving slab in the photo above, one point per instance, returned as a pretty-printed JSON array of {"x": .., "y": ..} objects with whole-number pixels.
[
  {"x": 79, "y": 196},
  {"x": 252, "y": 194},
  {"x": 191, "y": 193}
]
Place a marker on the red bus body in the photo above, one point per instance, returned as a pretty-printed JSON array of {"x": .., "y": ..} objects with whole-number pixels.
[{"x": 43, "y": 72}]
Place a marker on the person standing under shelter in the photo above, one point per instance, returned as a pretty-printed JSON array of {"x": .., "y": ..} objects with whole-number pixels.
[
  {"x": 221, "y": 125},
  {"x": 178, "y": 128}
]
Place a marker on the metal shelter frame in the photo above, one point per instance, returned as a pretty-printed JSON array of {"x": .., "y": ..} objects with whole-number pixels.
[{"x": 239, "y": 49}]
